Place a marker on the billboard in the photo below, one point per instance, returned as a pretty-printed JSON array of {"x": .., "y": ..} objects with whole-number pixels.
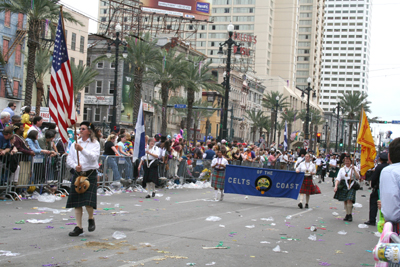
[{"x": 196, "y": 9}]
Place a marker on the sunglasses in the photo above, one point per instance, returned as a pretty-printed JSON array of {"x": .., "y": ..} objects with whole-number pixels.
[{"x": 82, "y": 129}]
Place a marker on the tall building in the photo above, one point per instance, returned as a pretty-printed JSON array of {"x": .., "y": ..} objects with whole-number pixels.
[
  {"x": 346, "y": 49},
  {"x": 12, "y": 37}
]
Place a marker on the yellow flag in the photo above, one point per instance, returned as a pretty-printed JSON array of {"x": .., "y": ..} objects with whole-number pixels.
[{"x": 368, "y": 151}]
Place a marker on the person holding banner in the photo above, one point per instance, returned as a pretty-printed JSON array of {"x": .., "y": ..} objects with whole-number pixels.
[
  {"x": 84, "y": 164},
  {"x": 218, "y": 178},
  {"x": 308, "y": 187},
  {"x": 343, "y": 186}
]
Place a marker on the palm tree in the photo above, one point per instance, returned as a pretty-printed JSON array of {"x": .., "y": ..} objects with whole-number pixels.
[
  {"x": 290, "y": 116},
  {"x": 317, "y": 119},
  {"x": 142, "y": 54},
  {"x": 37, "y": 12},
  {"x": 280, "y": 126},
  {"x": 352, "y": 103},
  {"x": 197, "y": 77},
  {"x": 270, "y": 102},
  {"x": 169, "y": 74},
  {"x": 82, "y": 77},
  {"x": 256, "y": 117},
  {"x": 266, "y": 124},
  {"x": 42, "y": 67},
  {"x": 198, "y": 114}
]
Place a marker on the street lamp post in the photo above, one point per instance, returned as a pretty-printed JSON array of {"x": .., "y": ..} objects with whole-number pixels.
[
  {"x": 229, "y": 43},
  {"x": 337, "y": 125},
  {"x": 276, "y": 116},
  {"x": 117, "y": 42},
  {"x": 326, "y": 135},
  {"x": 307, "y": 91},
  {"x": 344, "y": 140}
]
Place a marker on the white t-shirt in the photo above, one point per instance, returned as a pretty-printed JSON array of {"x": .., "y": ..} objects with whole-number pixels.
[
  {"x": 307, "y": 168},
  {"x": 221, "y": 161},
  {"x": 333, "y": 162},
  {"x": 342, "y": 175}
]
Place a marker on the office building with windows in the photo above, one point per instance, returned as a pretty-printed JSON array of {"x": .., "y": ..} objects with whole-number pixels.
[{"x": 346, "y": 49}]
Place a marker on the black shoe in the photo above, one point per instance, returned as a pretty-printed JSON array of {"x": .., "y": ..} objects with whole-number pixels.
[
  {"x": 154, "y": 194},
  {"x": 370, "y": 223},
  {"x": 300, "y": 205},
  {"x": 76, "y": 232},
  {"x": 148, "y": 196},
  {"x": 346, "y": 218},
  {"x": 92, "y": 225},
  {"x": 350, "y": 219},
  {"x": 306, "y": 206},
  {"x": 319, "y": 182}
]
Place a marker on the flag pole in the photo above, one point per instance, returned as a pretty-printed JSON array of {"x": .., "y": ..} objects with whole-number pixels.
[
  {"x": 358, "y": 127},
  {"x": 63, "y": 28}
]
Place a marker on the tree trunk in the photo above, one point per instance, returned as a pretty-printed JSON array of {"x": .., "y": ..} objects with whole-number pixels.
[
  {"x": 350, "y": 147},
  {"x": 289, "y": 133},
  {"x": 190, "y": 99},
  {"x": 272, "y": 127},
  {"x": 137, "y": 94},
  {"x": 39, "y": 95},
  {"x": 164, "y": 98},
  {"x": 279, "y": 137},
  {"x": 33, "y": 40}
]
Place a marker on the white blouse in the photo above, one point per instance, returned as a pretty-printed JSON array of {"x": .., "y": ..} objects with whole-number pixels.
[
  {"x": 344, "y": 174},
  {"x": 333, "y": 162},
  {"x": 216, "y": 161},
  {"x": 88, "y": 157},
  {"x": 307, "y": 168}
]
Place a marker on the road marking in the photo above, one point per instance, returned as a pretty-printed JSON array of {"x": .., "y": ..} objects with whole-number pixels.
[
  {"x": 141, "y": 261},
  {"x": 204, "y": 199},
  {"x": 301, "y": 212}
]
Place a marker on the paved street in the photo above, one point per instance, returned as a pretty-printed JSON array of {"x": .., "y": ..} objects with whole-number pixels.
[{"x": 173, "y": 232}]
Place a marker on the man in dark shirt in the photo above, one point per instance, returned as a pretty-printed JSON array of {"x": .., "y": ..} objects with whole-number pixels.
[
  {"x": 375, "y": 178},
  {"x": 210, "y": 154}
]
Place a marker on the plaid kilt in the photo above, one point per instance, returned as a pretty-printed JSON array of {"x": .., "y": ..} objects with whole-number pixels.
[
  {"x": 218, "y": 179},
  {"x": 344, "y": 194},
  {"x": 89, "y": 198},
  {"x": 333, "y": 172},
  {"x": 319, "y": 170},
  {"x": 308, "y": 187}
]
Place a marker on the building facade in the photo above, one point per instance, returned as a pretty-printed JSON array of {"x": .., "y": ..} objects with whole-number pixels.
[
  {"x": 13, "y": 39},
  {"x": 346, "y": 50}
]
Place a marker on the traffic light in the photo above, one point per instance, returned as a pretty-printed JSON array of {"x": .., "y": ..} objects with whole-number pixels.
[
  {"x": 318, "y": 137},
  {"x": 341, "y": 142}
]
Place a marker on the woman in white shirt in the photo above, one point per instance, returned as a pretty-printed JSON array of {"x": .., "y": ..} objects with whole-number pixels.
[
  {"x": 343, "y": 187},
  {"x": 150, "y": 167},
  {"x": 218, "y": 179},
  {"x": 333, "y": 168},
  {"x": 89, "y": 154},
  {"x": 308, "y": 187}
]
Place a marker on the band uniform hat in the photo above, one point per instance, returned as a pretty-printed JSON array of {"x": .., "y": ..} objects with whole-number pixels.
[
  {"x": 303, "y": 151},
  {"x": 89, "y": 125},
  {"x": 163, "y": 138},
  {"x": 383, "y": 156}
]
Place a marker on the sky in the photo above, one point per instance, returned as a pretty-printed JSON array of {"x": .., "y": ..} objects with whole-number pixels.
[{"x": 384, "y": 88}]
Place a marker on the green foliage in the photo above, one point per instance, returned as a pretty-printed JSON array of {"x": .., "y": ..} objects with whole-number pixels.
[
  {"x": 42, "y": 64},
  {"x": 82, "y": 76}
]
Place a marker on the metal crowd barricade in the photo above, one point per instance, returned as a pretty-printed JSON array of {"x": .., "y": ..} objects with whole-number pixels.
[
  {"x": 64, "y": 175},
  {"x": 115, "y": 168}
]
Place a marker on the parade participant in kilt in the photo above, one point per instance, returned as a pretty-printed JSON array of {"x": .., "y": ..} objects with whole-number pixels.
[
  {"x": 343, "y": 187},
  {"x": 218, "y": 179},
  {"x": 89, "y": 153},
  {"x": 333, "y": 168},
  {"x": 308, "y": 187},
  {"x": 150, "y": 167},
  {"x": 320, "y": 162}
]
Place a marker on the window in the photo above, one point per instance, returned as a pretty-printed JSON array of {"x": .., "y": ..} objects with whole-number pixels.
[
  {"x": 80, "y": 62},
  {"x": 111, "y": 89},
  {"x": 82, "y": 44},
  {"x": 73, "y": 41},
  {"x": 109, "y": 115},
  {"x": 20, "y": 23},
  {"x": 5, "y": 49},
  {"x": 15, "y": 88},
  {"x": 85, "y": 114},
  {"x": 87, "y": 90},
  {"x": 221, "y": 2},
  {"x": 100, "y": 65},
  {"x": 99, "y": 87},
  {"x": 97, "y": 114},
  {"x": 18, "y": 55},
  {"x": 72, "y": 60},
  {"x": 7, "y": 18},
  {"x": 112, "y": 65}
]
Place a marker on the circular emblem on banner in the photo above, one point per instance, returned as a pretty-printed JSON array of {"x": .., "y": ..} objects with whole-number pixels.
[{"x": 263, "y": 184}]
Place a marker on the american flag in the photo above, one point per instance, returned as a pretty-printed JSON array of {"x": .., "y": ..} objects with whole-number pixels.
[{"x": 62, "y": 106}]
